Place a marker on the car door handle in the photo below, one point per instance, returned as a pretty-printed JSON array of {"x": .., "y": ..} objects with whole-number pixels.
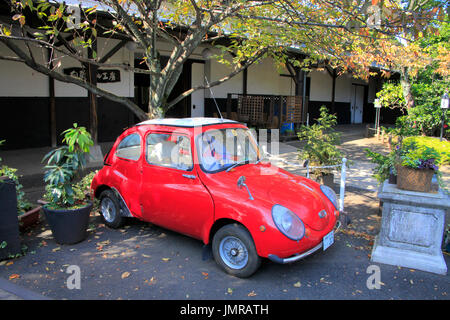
[{"x": 189, "y": 176}]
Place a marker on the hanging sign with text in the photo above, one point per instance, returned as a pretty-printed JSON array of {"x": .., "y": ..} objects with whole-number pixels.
[{"x": 103, "y": 76}]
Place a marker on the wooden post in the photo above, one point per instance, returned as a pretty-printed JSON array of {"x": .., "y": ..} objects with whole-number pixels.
[
  {"x": 92, "y": 77},
  {"x": 333, "y": 92},
  {"x": 52, "y": 104},
  {"x": 229, "y": 106}
]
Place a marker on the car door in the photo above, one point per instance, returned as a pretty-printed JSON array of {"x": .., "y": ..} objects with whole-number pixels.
[
  {"x": 172, "y": 195},
  {"x": 126, "y": 170}
]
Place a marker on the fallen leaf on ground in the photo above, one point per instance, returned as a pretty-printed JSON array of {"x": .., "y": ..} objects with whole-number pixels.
[
  {"x": 251, "y": 294},
  {"x": 165, "y": 259},
  {"x": 124, "y": 275},
  {"x": 14, "y": 276},
  {"x": 297, "y": 284}
]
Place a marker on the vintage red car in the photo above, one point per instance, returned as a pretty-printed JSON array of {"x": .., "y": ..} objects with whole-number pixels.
[{"x": 205, "y": 178}]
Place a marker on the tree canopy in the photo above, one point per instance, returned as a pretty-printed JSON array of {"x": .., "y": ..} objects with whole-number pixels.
[{"x": 348, "y": 35}]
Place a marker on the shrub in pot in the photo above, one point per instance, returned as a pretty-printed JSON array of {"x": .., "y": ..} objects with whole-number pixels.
[
  {"x": 67, "y": 211},
  {"x": 385, "y": 165},
  {"x": 321, "y": 141},
  {"x": 417, "y": 165},
  {"x": 10, "y": 192},
  {"x": 28, "y": 213}
]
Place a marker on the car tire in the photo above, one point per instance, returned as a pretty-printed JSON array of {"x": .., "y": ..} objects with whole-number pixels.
[
  {"x": 234, "y": 250},
  {"x": 110, "y": 210}
]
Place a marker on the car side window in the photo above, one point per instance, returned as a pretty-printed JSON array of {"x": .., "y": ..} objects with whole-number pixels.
[
  {"x": 130, "y": 147},
  {"x": 169, "y": 150}
]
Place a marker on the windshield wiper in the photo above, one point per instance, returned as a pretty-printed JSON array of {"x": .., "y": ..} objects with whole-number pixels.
[
  {"x": 241, "y": 162},
  {"x": 236, "y": 164}
]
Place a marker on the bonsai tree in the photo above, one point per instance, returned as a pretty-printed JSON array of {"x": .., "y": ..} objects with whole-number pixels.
[
  {"x": 321, "y": 143},
  {"x": 63, "y": 167}
]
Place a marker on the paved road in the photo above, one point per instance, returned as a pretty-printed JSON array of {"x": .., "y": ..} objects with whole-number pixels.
[{"x": 141, "y": 261}]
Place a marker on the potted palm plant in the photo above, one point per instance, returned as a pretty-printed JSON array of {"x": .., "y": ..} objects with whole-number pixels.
[
  {"x": 67, "y": 211},
  {"x": 320, "y": 150}
]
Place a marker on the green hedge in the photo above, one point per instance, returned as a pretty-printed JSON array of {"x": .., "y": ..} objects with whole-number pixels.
[{"x": 443, "y": 147}]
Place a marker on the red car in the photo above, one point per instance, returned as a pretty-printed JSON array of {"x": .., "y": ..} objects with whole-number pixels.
[{"x": 203, "y": 177}]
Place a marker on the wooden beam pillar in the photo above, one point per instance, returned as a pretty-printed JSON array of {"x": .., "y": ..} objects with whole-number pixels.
[
  {"x": 93, "y": 106},
  {"x": 229, "y": 105},
  {"x": 333, "y": 92},
  {"x": 244, "y": 81},
  {"x": 52, "y": 104}
]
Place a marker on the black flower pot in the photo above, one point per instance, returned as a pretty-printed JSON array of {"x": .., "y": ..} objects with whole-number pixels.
[
  {"x": 68, "y": 226},
  {"x": 9, "y": 223}
]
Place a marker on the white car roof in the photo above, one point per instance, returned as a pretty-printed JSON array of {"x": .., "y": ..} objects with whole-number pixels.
[{"x": 188, "y": 122}]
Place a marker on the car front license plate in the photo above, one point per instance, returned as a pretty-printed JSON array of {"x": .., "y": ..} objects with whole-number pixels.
[{"x": 328, "y": 240}]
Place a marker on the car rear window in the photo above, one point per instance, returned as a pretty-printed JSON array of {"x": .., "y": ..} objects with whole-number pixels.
[
  {"x": 169, "y": 150},
  {"x": 130, "y": 147}
]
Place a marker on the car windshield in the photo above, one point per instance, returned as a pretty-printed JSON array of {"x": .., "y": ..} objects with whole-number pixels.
[{"x": 220, "y": 149}]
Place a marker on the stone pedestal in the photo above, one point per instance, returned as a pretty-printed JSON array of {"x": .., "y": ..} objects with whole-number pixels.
[{"x": 412, "y": 228}]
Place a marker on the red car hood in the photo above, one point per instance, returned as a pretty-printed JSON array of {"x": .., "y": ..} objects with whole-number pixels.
[{"x": 296, "y": 193}]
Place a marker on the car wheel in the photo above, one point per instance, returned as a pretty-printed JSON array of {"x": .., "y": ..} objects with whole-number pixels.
[
  {"x": 110, "y": 209},
  {"x": 234, "y": 250}
]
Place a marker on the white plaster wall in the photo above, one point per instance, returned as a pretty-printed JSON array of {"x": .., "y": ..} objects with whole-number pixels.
[
  {"x": 264, "y": 78},
  {"x": 215, "y": 71},
  {"x": 321, "y": 84},
  {"x": 18, "y": 80},
  {"x": 124, "y": 88}
]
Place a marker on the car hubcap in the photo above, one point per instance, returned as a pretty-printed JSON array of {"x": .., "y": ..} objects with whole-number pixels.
[
  {"x": 108, "y": 209},
  {"x": 233, "y": 252}
]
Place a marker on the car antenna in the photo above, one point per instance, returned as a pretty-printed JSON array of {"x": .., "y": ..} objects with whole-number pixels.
[{"x": 212, "y": 95}]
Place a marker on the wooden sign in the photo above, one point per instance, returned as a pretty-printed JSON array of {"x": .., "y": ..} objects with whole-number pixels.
[{"x": 103, "y": 75}]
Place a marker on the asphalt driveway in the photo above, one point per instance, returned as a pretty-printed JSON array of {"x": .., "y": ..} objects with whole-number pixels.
[{"x": 142, "y": 261}]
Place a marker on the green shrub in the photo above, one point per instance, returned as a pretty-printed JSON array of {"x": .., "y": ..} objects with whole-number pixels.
[{"x": 321, "y": 142}]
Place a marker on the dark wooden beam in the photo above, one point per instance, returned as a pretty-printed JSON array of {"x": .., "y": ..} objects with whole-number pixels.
[
  {"x": 244, "y": 81},
  {"x": 52, "y": 103},
  {"x": 92, "y": 78},
  {"x": 113, "y": 51}
]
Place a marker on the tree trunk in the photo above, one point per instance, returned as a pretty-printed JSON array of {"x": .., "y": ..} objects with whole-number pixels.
[{"x": 406, "y": 88}]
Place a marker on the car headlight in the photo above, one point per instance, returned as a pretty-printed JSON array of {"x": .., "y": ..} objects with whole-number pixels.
[
  {"x": 288, "y": 223},
  {"x": 330, "y": 194}
]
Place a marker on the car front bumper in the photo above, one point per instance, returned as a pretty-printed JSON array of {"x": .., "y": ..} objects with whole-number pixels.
[{"x": 303, "y": 255}]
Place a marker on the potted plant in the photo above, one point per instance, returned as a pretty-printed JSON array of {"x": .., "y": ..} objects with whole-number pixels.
[
  {"x": 385, "y": 168},
  {"x": 67, "y": 211},
  {"x": 9, "y": 224},
  {"x": 417, "y": 165},
  {"x": 321, "y": 141}
]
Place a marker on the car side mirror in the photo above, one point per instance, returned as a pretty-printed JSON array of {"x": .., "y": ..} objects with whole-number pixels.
[{"x": 241, "y": 183}]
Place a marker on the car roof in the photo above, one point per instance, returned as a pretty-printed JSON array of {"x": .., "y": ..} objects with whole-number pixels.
[{"x": 188, "y": 122}]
